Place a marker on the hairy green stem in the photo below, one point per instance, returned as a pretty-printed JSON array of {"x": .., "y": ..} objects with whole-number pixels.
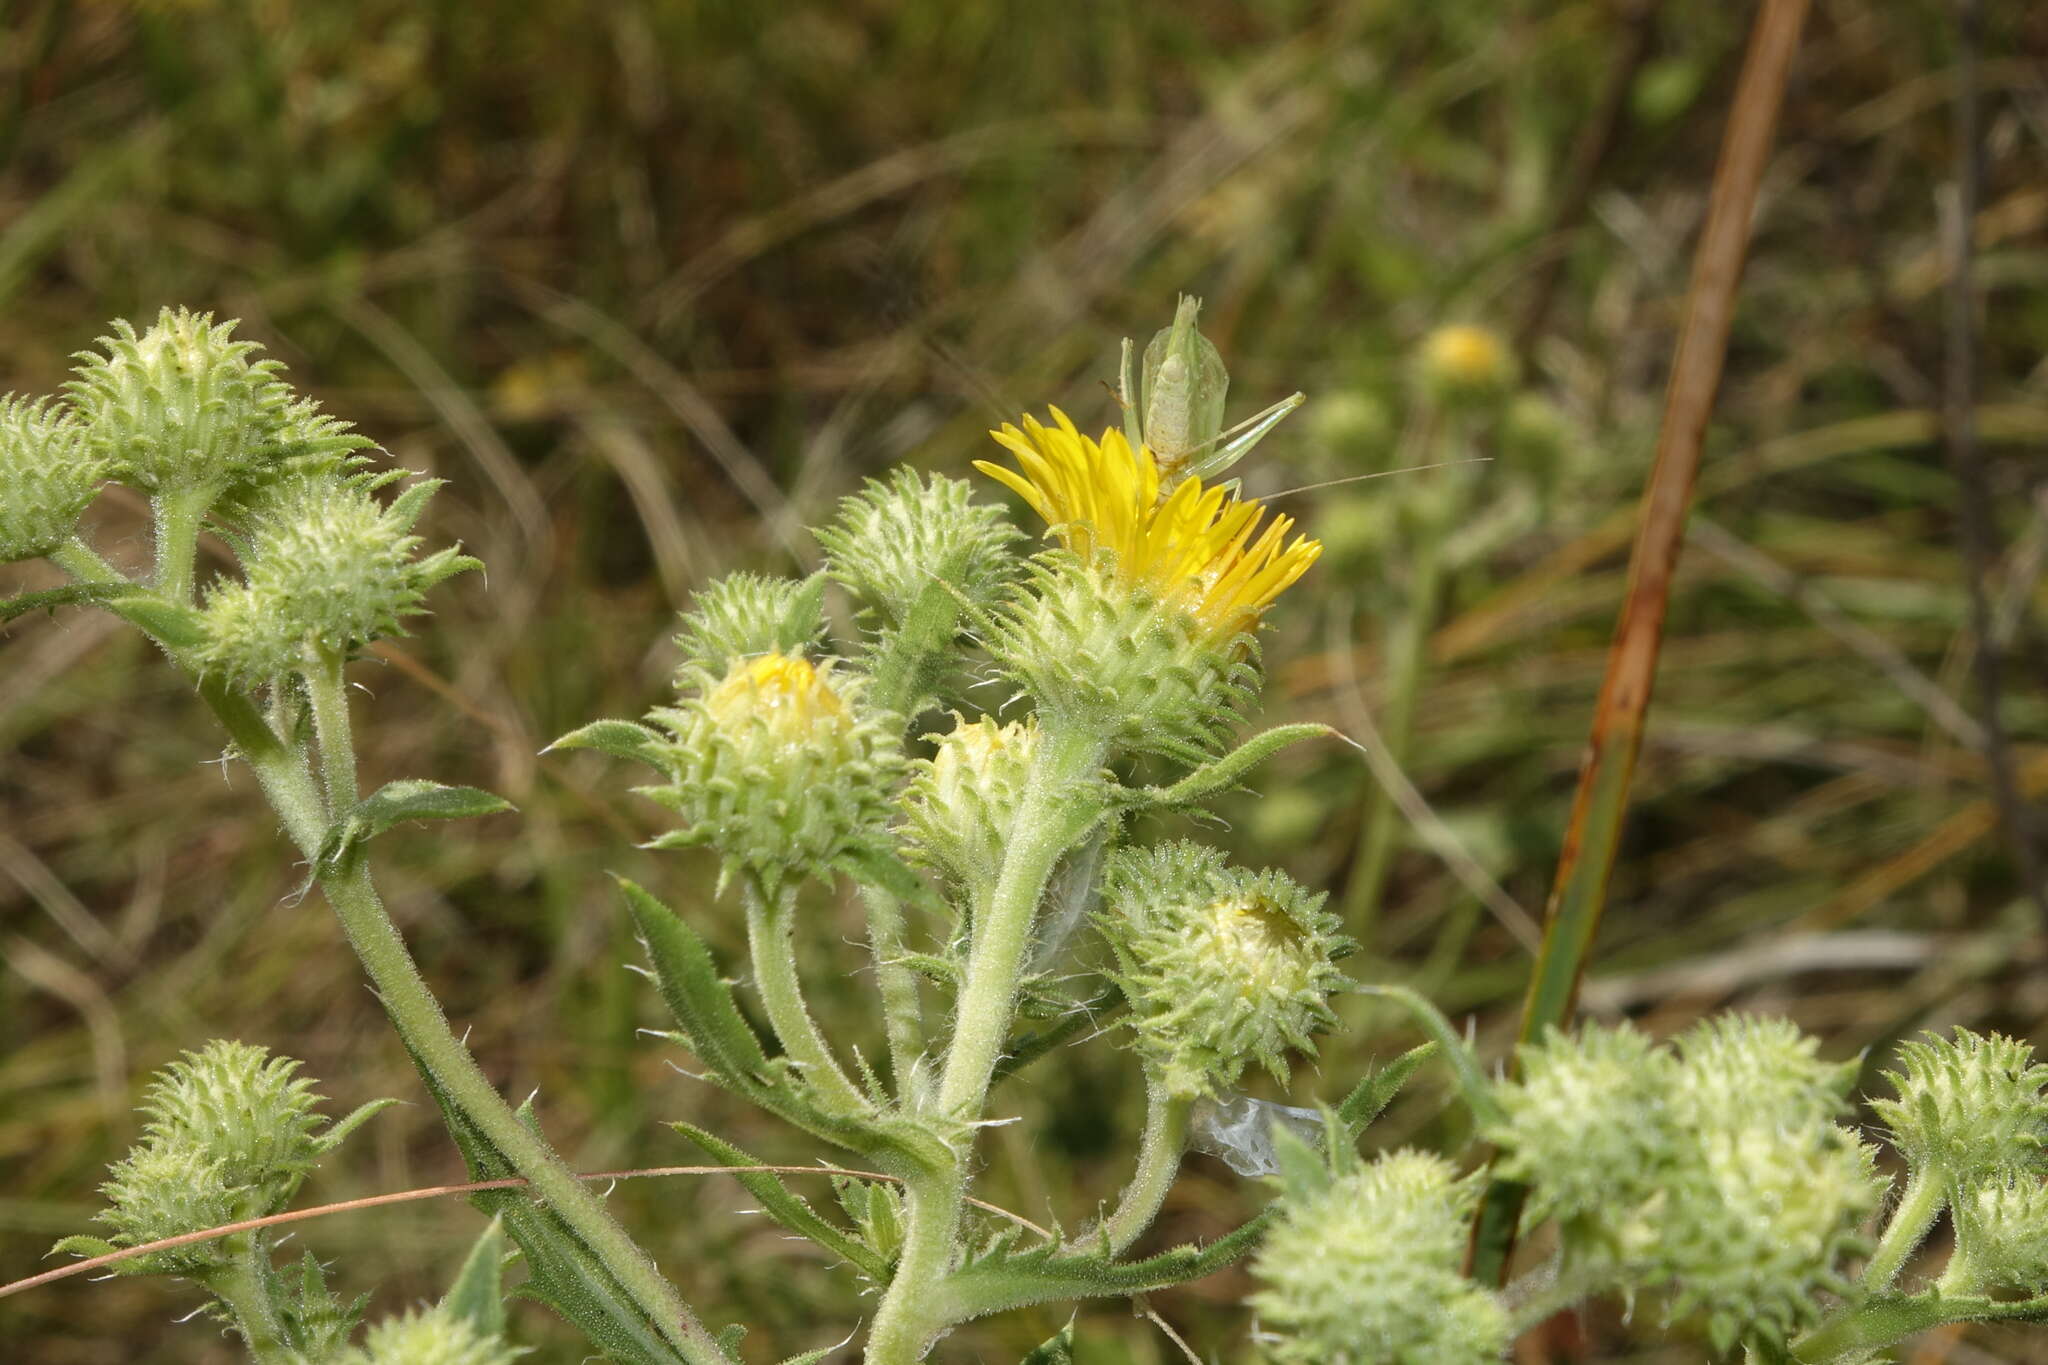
[
  {"x": 243, "y": 1286},
  {"x": 178, "y": 514},
  {"x": 1918, "y": 1207},
  {"x": 327, "y": 690},
  {"x": 902, "y": 1007},
  {"x": 1053, "y": 815},
  {"x": 1160, "y": 1149},
  {"x": 773, "y": 949}
]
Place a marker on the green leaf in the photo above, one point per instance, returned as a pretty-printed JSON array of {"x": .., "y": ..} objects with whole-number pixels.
[
  {"x": 562, "y": 1272},
  {"x": 1370, "y": 1097},
  {"x": 619, "y": 738},
  {"x": 811, "y": 1357},
  {"x": 785, "y": 1206},
  {"x": 1058, "y": 1350},
  {"x": 70, "y": 595},
  {"x": 83, "y": 1247},
  {"x": 395, "y": 803},
  {"x": 1212, "y": 779},
  {"x": 478, "y": 1293},
  {"x": 348, "y": 1123},
  {"x": 998, "y": 1282},
  {"x": 1478, "y": 1094},
  {"x": 882, "y": 868}
]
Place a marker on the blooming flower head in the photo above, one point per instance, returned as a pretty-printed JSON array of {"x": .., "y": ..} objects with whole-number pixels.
[
  {"x": 788, "y": 697},
  {"x": 1201, "y": 549}
]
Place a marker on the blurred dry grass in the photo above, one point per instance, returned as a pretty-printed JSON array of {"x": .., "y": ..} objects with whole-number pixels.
[{"x": 654, "y": 285}]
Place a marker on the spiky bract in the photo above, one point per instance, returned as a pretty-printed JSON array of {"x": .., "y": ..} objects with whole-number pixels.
[
  {"x": 893, "y": 540},
  {"x": 49, "y": 473},
  {"x": 1970, "y": 1108},
  {"x": 746, "y": 614}
]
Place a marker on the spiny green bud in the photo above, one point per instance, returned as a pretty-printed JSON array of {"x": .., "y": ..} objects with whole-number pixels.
[
  {"x": 167, "y": 1189},
  {"x": 776, "y": 766},
  {"x": 436, "y": 1337},
  {"x": 231, "y": 1134},
  {"x": 327, "y": 566},
  {"x": 1970, "y": 1109},
  {"x": 182, "y": 407},
  {"x": 1589, "y": 1124},
  {"x": 1222, "y": 966},
  {"x": 2001, "y": 1238},
  {"x": 892, "y": 540},
  {"x": 1095, "y": 653},
  {"x": 1762, "y": 1067},
  {"x": 963, "y": 800},
  {"x": 1181, "y": 393},
  {"x": 1364, "y": 1271},
  {"x": 1759, "y": 1223},
  {"x": 745, "y": 614},
  {"x": 48, "y": 475},
  {"x": 1462, "y": 363}
]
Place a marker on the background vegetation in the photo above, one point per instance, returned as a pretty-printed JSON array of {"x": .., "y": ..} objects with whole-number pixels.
[{"x": 654, "y": 285}]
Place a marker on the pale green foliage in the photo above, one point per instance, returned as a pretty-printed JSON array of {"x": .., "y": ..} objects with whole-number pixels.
[
  {"x": 2002, "y": 1235},
  {"x": 49, "y": 473},
  {"x": 327, "y": 567},
  {"x": 777, "y": 765},
  {"x": 1363, "y": 1269},
  {"x": 1093, "y": 653},
  {"x": 1714, "y": 1170},
  {"x": 895, "y": 539},
  {"x": 435, "y": 1337},
  {"x": 1222, "y": 966},
  {"x": 182, "y": 407},
  {"x": 964, "y": 798},
  {"x": 1969, "y": 1109},
  {"x": 745, "y": 614}
]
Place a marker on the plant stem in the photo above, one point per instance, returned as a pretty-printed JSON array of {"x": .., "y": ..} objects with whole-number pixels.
[
  {"x": 1053, "y": 815},
  {"x": 902, "y": 1008},
  {"x": 770, "y": 944},
  {"x": 327, "y": 691},
  {"x": 177, "y": 514},
  {"x": 1160, "y": 1148},
  {"x": 1918, "y": 1207},
  {"x": 417, "y": 1016},
  {"x": 241, "y": 1285}
]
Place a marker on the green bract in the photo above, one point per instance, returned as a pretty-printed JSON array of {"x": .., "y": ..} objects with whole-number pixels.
[
  {"x": 1362, "y": 1269},
  {"x": 777, "y": 766},
  {"x": 326, "y": 567},
  {"x": 1091, "y": 652},
  {"x": 1222, "y": 966},
  {"x": 49, "y": 473},
  {"x": 430, "y": 1338},
  {"x": 895, "y": 539},
  {"x": 182, "y": 408},
  {"x": 746, "y": 614},
  {"x": 1969, "y": 1109}
]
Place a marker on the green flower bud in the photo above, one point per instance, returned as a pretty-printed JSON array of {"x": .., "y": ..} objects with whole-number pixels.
[
  {"x": 1465, "y": 364},
  {"x": 1590, "y": 1126},
  {"x": 1762, "y": 1067},
  {"x": 49, "y": 473},
  {"x": 1096, "y": 653},
  {"x": 745, "y": 614},
  {"x": 436, "y": 1337},
  {"x": 166, "y": 1189},
  {"x": 326, "y": 565},
  {"x": 181, "y": 407},
  {"x": 1970, "y": 1110},
  {"x": 1758, "y": 1224},
  {"x": 1222, "y": 966},
  {"x": 963, "y": 800},
  {"x": 894, "y": 539},
  {"x": 2001, "y": 1239},
  {"x": 777, "y": 767},
  {"x": 231, "y": 1134},
  {"x": 1364, "y": 1271}
]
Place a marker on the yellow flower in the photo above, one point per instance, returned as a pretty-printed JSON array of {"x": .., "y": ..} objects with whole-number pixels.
[
  {"x": 1195, "y": 549},
  {"x": 787, "y": 696}
]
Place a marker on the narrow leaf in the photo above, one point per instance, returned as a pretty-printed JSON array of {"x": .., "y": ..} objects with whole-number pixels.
[
  {"x": 619, "y": 738},
  {"x": 789, "y": 1209},
  {"x": 1370, "y": 1097},
  {"x": 395, "y": 803},
  {"x": 1212, "y": 779},
  {"x": 1471, "y": 1084},
  {"x": 1058, "y": 1350},
  {"x": 478, "y": 1293},
  {"x": 997, "y": 1283},
  {"x": 694, "y": 991}
]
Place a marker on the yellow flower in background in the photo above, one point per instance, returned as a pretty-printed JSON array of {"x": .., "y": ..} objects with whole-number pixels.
[{"x": 1201, "y": 549}]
